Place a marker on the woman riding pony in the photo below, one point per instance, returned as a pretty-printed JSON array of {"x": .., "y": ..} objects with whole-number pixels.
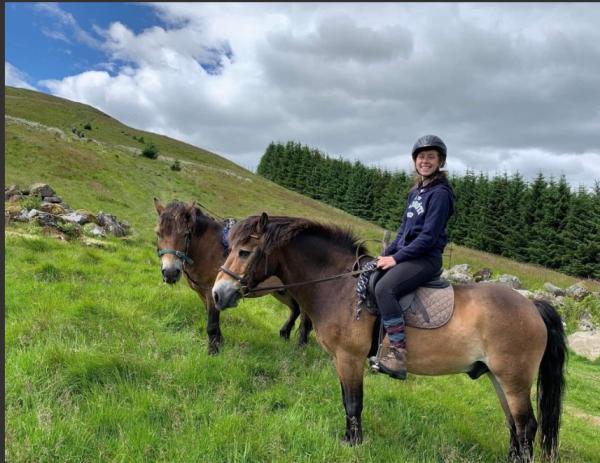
[{"x": 415, "y": 256}]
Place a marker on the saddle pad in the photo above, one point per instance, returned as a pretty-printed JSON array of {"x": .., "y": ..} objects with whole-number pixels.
[{"x": 428, "y": 307}]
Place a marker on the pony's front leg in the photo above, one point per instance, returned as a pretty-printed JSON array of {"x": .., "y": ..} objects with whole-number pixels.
[
  {"x": 350, "y": 372},
  {"x": 213, "y": 326}
]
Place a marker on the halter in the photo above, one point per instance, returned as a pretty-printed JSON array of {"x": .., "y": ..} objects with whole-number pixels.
[
  {"x": 187, "y": 259},
  {"x": 181, "y": 255}
]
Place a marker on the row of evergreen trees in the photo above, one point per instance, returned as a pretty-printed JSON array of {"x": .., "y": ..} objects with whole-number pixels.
[{"x": 542, "y": 222}]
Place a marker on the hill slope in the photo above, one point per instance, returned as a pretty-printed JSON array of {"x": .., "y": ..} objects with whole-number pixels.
[
  {"x": 104, "y": 362},
  {"x": 104, "y": 171}
]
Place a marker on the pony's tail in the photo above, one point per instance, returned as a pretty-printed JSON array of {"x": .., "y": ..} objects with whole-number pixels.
[{"x": 551, "y": 381}]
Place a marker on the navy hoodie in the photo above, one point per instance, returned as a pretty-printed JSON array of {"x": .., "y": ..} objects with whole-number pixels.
[{"x": 423, "y": 229}]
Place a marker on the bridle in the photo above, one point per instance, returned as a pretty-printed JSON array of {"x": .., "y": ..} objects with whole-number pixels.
[{"x": 243, "y": 280}]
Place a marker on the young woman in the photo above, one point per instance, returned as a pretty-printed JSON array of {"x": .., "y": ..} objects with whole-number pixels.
[{"x": 415, "y": 256}]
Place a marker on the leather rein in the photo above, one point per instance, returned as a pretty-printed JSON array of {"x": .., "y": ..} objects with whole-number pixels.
[{"x": 245, "y": 290}]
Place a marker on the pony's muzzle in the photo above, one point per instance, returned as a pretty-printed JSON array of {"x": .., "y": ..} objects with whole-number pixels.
[
  {"x": 226, "y": 294},
  {"x": 171, "y": 275}
]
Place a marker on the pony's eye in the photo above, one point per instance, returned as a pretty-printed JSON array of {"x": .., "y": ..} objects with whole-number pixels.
[{"x": 243, "y": 253}]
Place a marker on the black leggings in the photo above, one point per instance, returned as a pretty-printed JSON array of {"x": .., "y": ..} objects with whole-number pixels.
[{"x": 401, "y": 280}]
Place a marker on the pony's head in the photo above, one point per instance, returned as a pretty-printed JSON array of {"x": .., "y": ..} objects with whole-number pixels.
[
  {"x": 247, "y": 264},
  {"x": 177, "y": 223},
  {"x": 258, "y": 245}
]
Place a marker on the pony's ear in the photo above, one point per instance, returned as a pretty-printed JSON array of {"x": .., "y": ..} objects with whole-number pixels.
[
  {"x": 190, "y": 208},
  {"x": 158, "y": 206},
  {"x": 262, "y": 223}
]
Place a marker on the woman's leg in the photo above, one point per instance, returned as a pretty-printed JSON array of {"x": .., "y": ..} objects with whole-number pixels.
[
  {"x": 395, "y": 283},
  {"x": 398, "y": 281}
]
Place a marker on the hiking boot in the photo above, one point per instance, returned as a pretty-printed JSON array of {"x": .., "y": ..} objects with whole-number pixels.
[{"x": 392, "y": 362}]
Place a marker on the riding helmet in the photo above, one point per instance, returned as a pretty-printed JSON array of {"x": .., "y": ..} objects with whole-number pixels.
[{"x": 430, "y": 142}]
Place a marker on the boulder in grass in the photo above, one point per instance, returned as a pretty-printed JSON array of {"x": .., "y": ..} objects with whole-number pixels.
[
  {"x": 110, "y": 223},
  {"x": 460, "y": 274},
  {"x": 89, "y": 217},
  {"x": 32, "y": 213},
  {"x": 93, "y": 230},
  {"x": 41, "y": 189},
  {"x": 12, "y": 192},
  {"x": 75, "y": 217},
  {"x": 52, "y": 208},
  {"x": 549, "y": 298},
  {"x": 577, "y": 291},
  {"x": 485, "y": 274},
  {"x": 45, "y": 220},
  {"x": 586, "y": 344},
  {"x": 509, "y": 280},
  {"x": 53, "y": 199},
  {"x": 461, "y": 268},
  {"x": 586, "y": 323},
  {"x": 554, "y": 290},
  {"x": 526, "y": 293}
]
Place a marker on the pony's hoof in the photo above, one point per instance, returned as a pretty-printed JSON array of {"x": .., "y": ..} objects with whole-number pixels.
[
  {"x": 352, "y": 441},
  {"x": 285, "y": 334},
  {"x": 214, "y": 344}
]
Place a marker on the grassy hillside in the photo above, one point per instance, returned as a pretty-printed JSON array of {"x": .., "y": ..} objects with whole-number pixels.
[{"x": 106, "y": 363}]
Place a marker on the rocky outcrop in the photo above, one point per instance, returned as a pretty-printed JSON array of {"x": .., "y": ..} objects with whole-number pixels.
[
  {"x": 509, "y": 280},
  {"x": 55, "y": 214},
  {"x": 554, "y": 290},
  {"x": 577, "y": 291}
]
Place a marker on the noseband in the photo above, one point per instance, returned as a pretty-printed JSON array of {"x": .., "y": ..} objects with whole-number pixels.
[{"x": 179, "y": 254}]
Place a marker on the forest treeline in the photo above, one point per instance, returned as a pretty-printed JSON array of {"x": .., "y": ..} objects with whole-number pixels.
[{"x": 543, "y": 222}]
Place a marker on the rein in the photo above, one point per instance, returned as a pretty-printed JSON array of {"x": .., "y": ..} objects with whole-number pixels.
[{"x": 246, "y": 290}]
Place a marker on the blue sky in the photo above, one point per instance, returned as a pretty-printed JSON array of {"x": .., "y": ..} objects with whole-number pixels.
[
  {"x": 509, "y": 87},
  {"x": 45, "y": 45}
]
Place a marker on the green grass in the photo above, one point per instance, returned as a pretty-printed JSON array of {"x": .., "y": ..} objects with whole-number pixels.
[{"x": 104, "y": 362}]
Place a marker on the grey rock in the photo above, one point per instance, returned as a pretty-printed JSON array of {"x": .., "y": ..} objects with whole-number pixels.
[
  {"x": 586, "y": 323},
  {"x": 586, "y": 344},
  {"x": 41, "y": 189},
  {"x": 554, "y": 290},
  {"x": 52, "y": 208},
  {"x": 75, "y": 217},
  {"x": 32, "y": 213},
  {"x": 111, "y": 224},
  {"x": 91, "y": 229},
  {"x": 12, "y": 191},
  {"x": 23, "y": 216},
  {"x": 461, "y": 268},
  {"x": 53, "y": 199},
  {"x": 509, "y": 280},
  {"x": 526, "y": 293},
  {"x": 577, "y": 291},
  {"x": 485, "y": 274},
  {"x": 547, "y": 297},
  {"x": 46, "y": 220},
  {"x": 459, "y": 278}
]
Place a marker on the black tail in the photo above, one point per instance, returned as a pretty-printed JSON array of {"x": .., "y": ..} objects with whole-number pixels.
[{"x": 551, "y": 381}]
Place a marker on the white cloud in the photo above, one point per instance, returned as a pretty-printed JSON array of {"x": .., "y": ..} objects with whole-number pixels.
[
  {"x": 506, "y": 86},
  {"x": 14, "y": 77}
]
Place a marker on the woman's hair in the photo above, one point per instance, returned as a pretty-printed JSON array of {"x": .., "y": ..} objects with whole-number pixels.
[{"x": 434, "y": 178}]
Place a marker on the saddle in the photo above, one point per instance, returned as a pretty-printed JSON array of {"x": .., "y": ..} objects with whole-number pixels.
[{"x": 429, "y": 306}]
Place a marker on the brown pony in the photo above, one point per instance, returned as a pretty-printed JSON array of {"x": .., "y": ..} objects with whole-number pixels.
[
  {"x": 190, "y": 242},
  {"x": 492, "y": 324}
]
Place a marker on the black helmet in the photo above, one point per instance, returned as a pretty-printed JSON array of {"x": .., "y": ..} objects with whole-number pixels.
[{"x": 430, "y": 142}]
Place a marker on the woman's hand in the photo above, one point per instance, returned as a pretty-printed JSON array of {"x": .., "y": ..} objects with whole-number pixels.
[{"x": 385, "y": 262}]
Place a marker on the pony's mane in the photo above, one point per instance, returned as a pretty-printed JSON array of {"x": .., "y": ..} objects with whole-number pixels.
[
  {"x": 174, "y": 218},
  {"x": 281, "y": 230}
]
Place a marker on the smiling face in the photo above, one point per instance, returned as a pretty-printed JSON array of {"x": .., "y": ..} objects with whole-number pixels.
[{"x": 427, "y": 162}]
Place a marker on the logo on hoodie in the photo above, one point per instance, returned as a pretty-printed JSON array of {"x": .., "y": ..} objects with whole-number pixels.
[{"x": 417, "y": 206}]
